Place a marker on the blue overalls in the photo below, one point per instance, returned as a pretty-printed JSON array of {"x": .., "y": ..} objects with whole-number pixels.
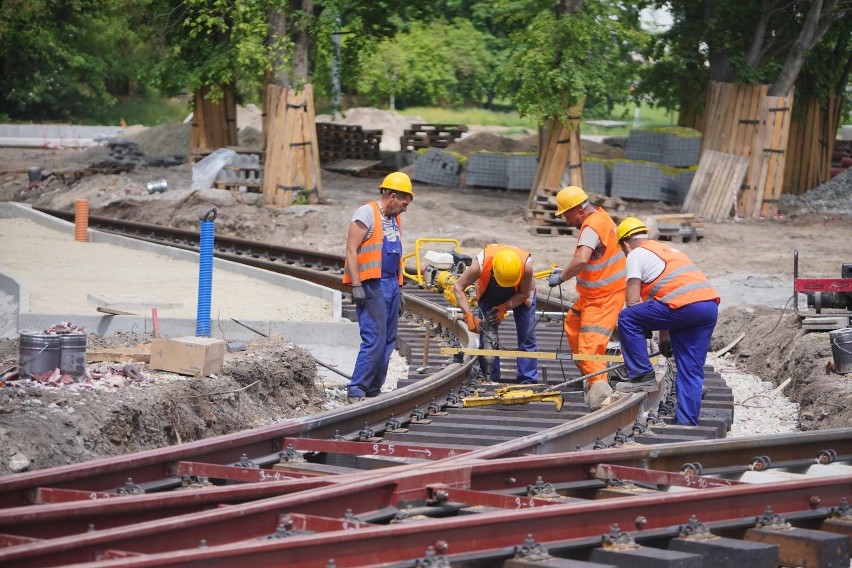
[
  {"x": 524, "y": 317},
  {"x": 378, "y": 321}
]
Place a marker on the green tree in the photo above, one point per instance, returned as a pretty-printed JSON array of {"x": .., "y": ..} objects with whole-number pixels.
[
  {"x": 59, "y": 58},
  {"x": 413, "y": 69}
]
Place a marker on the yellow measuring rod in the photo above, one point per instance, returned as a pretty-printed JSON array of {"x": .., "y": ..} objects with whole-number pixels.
[{"x": 546, "y": 355}]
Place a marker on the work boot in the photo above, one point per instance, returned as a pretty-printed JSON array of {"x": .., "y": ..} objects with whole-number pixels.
[
  {"x": 354, "y": 399},
  {"x": 597, "y": 394},
  {"x": 644, "y": 383}
]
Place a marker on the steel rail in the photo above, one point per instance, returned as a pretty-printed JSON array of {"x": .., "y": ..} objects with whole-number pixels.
[{"x": 249, "y": 536}]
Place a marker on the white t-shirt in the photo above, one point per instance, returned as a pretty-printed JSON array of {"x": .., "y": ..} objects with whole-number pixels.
[
  {"x": 365, "y": 215},
  {"x": 644, "y": 265}
]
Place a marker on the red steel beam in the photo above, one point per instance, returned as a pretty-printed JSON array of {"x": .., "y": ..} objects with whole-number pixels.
[
  {"x": 634, "y": 474},
  {"x": 235, "y": 473},
  {"x": 472, "y": 533},
  {"x": 806, "y": 285},
  {"x": 387, "y": 449}
]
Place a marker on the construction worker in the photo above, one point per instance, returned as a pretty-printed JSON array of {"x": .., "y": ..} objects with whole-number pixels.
[
  {"x": 598, "y": 265},
  {"x": 504, "y": 281},
  {"x": 665, "y": 293},
  {"x": 373, "y": 269}
]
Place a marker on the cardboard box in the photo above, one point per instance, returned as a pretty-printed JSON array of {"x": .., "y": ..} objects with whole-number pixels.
[{"x": 196, "y": 356}]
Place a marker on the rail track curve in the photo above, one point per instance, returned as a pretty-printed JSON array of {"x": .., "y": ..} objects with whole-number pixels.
[{"x": 305, "y": 487}]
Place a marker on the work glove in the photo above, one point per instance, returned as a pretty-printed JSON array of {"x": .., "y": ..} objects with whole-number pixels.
[
  {"x": 497, "y": 314},
  {"x": 555, "y": 279},
  {"x": 472, "y": 322},
  {"x": 358, "y": 296},
  {"x": 401, "y": 304},
  {"x": 666, "y": 348}
]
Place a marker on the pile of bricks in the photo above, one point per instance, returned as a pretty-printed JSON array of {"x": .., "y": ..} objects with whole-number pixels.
[
  {"x": 347, "y": 142},
  {"x": 430, "y": 136}
]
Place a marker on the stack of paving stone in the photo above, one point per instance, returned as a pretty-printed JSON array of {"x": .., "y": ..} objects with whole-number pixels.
[
  {"x": 126, "y": 153},
  {"x": 437, "y": 167},
  {"x": 520, "y": 171},
  {"x": 637, "y": 180},
  {"x": 675, "y": 184},
  {"x": 503, "y": 171},
  {"x": 595, "y": 176},
  {"x": 672, "y": 146}
]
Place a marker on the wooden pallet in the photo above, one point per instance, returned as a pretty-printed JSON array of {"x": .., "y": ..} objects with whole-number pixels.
[
  {"x": 360, "y": 168},
  {"x": 552, "y": 231}
]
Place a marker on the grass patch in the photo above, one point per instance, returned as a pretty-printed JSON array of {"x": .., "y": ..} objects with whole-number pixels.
[{"x": 136, "y": 110}]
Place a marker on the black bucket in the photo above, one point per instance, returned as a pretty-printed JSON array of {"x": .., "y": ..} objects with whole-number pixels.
[
  {"x": 38, "y": 353},
  {"x": 34, "y": 174},
  {"x": 72, "y": 355}
]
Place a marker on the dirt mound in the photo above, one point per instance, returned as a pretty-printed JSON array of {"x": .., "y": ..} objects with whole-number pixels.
[
  {"x": 491, "y": 142},
  {"x": 163, "y": 140},
  {"x": 777, "y": 349},
  {"x": 272, "y": 380}
]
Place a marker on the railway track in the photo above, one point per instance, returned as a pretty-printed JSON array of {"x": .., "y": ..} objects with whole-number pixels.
[{"x": 304, "y": 487}]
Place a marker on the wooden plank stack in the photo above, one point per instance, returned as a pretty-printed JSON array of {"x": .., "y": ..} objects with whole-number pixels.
[
  {"x": 742, "y": 121},
  {"x": 214, "y": 124},
  {"x": 713, "y": 193},
  {"x": 811, "y": 145},
  {"x": 347, "y": 142},
  {"x": 559, "y": 148},
  {"x": 292, "y": 167},
  {"x": 430, "y": 136}
]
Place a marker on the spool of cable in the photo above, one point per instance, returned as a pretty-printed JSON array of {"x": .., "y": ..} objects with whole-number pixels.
[
  {"x": 205, "y": 274},
  {"x": 81, "y": 220}
]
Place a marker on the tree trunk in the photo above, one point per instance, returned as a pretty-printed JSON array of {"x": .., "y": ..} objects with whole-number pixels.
[
  {"x": 290, "y": 62},
  {"x": 720, "y": 63},
  {"x": 814, "y": 28}
]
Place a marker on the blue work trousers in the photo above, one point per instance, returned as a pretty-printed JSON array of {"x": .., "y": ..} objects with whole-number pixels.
[
  {"x": 690, "y": 329},
  {"x": 525, "y": 324},
  {"x": 378, "y": 321}
]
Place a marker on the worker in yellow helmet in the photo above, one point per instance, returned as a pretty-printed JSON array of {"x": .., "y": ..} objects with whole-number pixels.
[
  {"x": 669, "y": 294},
  {"x": 373, "y": 268},
  {"x": 598, "y": 266},
  {"x": 504, "y": 281}
]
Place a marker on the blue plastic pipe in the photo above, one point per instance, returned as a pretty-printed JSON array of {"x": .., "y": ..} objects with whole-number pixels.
[{"x": 205, "y": 275}]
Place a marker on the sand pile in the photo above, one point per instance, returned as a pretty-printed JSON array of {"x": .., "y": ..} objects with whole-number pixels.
[{"x": 490, "y": 142}]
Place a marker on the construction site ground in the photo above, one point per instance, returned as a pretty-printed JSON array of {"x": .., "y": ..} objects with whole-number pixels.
[{"x": 750, "y": 262}]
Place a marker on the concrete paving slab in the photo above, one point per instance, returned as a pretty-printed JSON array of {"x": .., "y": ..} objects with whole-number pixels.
[{"x": 131, "y": 302}]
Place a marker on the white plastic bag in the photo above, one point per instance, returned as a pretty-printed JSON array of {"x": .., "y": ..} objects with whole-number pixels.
[{"x": 204, "y": 171}]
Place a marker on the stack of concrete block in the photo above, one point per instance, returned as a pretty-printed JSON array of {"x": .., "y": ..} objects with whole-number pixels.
[
  {"x": 520, "y": 171},
  {"x": 637, "y": 180},
  {"x": 487, "y": 169},
  {"x": 672, "y": 146},
  {"x": 437, "y": 167},
  {"x": 595, "y": 176}
]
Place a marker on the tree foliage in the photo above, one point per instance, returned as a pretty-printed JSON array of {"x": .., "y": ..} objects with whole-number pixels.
[{"x": 414, "y": 69}]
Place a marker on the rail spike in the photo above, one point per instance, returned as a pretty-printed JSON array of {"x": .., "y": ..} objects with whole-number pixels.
[
  {"x": 842, "y": 511},
  {"x": 618, "y": 540},
  {"x": 532, "y": 550},
  {"x": 434, "y": 558},
  {"x": 694, "y": 530},
  {"x": 771, "y": 520}
]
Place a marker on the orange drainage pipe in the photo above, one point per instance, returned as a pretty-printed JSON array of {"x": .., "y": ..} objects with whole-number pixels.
[{"x": 81, "y": 220}]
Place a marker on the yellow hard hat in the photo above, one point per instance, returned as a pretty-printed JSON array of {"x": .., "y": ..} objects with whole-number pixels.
[
  {"x": 568, "y": 198},
  {"x": 507, "y": 268},
  {"x": 397, "y": 181},
  {"x": 629, "y": 227}
]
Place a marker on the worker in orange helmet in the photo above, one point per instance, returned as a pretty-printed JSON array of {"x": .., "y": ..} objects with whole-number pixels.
[
  {"x": 373, "y": 268},
  {"x": 598, "y": 265},
  {"x": 504, "y": 281}
]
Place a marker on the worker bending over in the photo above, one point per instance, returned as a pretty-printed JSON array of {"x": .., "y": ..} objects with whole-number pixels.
[
  {"x": 373, "y": 269},
  {"x": 665, "y": 292},
  {"x": 504, "y": 281},
  {"x": 598, "y": 265}
]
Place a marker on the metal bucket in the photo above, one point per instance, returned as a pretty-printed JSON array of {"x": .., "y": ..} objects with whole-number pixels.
[
  {"x": 158, "y": 186},
  {"x": 841, "y": 349},
  {"x": 38, "y": 353},
  {"x": 72, "y": 355},
  {"x": 33, "y": 174}
]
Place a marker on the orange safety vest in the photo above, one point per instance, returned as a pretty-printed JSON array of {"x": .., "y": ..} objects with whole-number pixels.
[
  {"x": 604, "y": 276},
  {"x": 485, "y": 276},
  {"x": 370, "y": 251},
  {"x": 680, "y": 283}
]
